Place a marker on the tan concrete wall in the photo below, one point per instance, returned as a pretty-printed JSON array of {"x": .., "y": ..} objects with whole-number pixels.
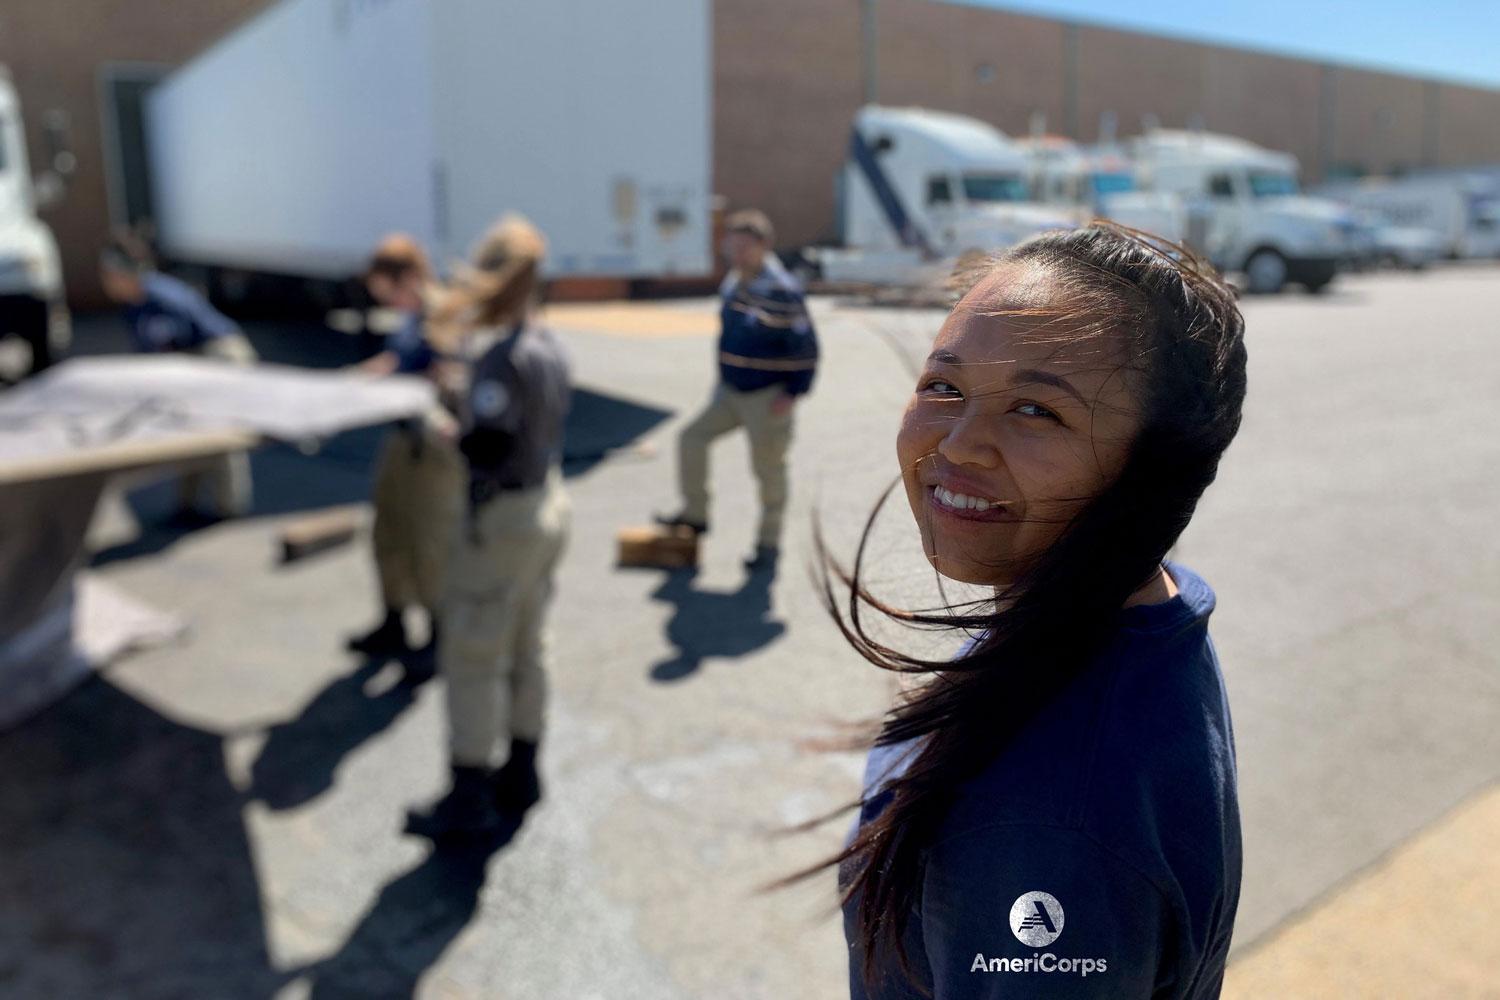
[{"x": 55, "y": 49}]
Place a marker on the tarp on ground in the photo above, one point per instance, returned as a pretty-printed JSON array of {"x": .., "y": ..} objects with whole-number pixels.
[{"x": 65, "y": 432}]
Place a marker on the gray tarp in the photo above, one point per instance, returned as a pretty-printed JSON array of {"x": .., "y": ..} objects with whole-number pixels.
[{"x": 65, "y": 432}]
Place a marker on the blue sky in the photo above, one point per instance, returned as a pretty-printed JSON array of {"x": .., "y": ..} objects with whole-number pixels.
[{"x": 1455, "y": 40}]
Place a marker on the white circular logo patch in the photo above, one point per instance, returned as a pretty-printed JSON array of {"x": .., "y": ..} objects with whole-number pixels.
[
  {"x": 1036, "y": 919},
  {"x": 490, "y": 399}
]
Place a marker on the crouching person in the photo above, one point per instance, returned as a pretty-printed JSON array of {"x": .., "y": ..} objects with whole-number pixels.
[{"x": 511, "y": 392}]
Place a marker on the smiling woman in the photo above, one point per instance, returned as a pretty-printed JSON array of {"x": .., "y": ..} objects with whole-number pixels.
[{"x": 1076, "y": 757}]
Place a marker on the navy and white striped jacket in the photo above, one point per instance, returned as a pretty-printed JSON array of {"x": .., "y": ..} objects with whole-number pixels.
[{"x": 767, "y": 336}]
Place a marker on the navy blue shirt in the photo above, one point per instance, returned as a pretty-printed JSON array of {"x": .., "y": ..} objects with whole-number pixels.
[
  {"x": 766, "y": 335},
  {"x": 1099, "y": 854},
  {"x": 413, "y": 353},
  {"x": 174, "y": 317}
]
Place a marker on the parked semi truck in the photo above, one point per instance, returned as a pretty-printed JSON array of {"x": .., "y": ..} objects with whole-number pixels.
[
  {"x": 34, "y": 323},
  {"x": 294, "y": 143},
  {"x": 1245, "y": 209},
  {"x": 921, "y": 188},
  {"x": 1101, "y": 182}
]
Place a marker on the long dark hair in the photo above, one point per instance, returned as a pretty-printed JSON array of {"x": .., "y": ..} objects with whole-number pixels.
[{"x": 1185, "y": 336}]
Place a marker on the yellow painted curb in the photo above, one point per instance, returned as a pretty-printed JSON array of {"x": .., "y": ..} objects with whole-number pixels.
[
  {"x": 631, "y": 319},
  {"x": 1424, "y": 922}
]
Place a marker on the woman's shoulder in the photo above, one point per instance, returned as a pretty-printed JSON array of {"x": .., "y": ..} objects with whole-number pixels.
[{"x": 1138, "y": 753}]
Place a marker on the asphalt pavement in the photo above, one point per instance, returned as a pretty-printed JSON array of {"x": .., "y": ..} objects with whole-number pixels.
[{"x": 221, "y": 817}]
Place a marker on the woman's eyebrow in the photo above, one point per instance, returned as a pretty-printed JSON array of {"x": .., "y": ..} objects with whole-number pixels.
[{"x": 1034, "y": 376}]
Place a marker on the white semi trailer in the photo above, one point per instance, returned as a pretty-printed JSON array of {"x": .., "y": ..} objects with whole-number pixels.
[
  {"x": 921, "y": 188},
  {"x": 34, "y": 323},
  {"x": 295, "y": 142},
  {"x": 1245, "y": 209}
]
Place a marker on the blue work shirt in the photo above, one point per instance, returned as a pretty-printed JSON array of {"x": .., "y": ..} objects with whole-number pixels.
[
  {"x": 413, "y": 353},
  {"x": 174, "y": 317},
  {"x": 766, "y": 335},
  {"x": 1099, "y": 854}
]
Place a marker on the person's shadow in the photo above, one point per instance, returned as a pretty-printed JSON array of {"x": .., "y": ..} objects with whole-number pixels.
[
  {"x": 300, "y": 755},
  {"x": 410, "y": 925},
  {"x": 125, "y": 863},
  {"x": 714, "y": 623}
]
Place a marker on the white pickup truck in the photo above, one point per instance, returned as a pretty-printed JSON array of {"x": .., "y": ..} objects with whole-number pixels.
[{"x": 34, "y": 324}]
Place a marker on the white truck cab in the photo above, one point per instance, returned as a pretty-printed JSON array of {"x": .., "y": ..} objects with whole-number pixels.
[
  {"x": 1245, "y": 209},
  {"x": 34, "y": 325},
  {"x": 1101, "y": 182},
  {"x": 922, "y": 188}
]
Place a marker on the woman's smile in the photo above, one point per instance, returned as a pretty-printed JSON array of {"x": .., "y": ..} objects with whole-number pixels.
[{"x": 968, "y": 507}]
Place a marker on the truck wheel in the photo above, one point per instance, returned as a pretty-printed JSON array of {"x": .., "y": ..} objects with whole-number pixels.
[{"x": 1266, "y": 272}]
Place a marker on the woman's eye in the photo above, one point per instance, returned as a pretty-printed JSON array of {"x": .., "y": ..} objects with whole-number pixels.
[
  {"x": 937, "y": 387},
  {"x": 1035, "y": 410}
]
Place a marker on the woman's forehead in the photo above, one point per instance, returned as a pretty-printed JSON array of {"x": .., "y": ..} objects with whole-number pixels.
[{"x": 1020, "y": 312}]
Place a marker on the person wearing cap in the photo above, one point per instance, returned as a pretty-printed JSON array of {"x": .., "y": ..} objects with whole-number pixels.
[
  {"x": 510, "y": 385},
  {"x": 419, "y": 471},
  {"x": 166, "y": 315},
  {"x": 768, "y": 355}
]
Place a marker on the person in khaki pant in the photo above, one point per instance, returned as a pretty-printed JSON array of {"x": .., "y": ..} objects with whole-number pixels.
[
  {"x": 420, "y": 474},
  {"x": 510, "y": 384},
  {"x": 166, "y": 315},
  {"x": 768, "y": 355}
]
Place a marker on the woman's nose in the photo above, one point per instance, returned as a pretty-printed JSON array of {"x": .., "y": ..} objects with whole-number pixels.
[{"x": 969, "y": 441}]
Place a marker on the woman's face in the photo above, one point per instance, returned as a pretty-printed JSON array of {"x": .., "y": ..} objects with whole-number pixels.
[{"x": 1008, "y": 435}]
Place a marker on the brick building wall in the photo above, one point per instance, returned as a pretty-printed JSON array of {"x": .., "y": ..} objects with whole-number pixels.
[
  {"x": 56, "y": 50},
  {"x": 789, "y": 75}
]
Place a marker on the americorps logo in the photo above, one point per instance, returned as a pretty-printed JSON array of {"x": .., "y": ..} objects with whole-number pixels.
[{"x": 1036, "y": 919}]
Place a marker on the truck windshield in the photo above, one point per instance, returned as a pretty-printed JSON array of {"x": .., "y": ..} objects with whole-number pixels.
[
  {"x": 1268, "y": 184},
  {"x": 996, "y": 187},
  {"x": 1113, "y": 183}
]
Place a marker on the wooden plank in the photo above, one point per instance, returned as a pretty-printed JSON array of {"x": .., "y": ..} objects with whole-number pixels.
[
  {"x": 126, "y": 455},
  {"x": 327, "y": 529},
  {"x": 657, "y": 547}
]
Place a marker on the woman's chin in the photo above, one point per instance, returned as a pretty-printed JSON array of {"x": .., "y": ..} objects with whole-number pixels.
[{"x": 965, "y": 570}]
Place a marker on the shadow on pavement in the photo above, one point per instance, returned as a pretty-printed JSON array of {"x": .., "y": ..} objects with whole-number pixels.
[
  {"x": 714, "y": 623},
  {"x": 410, "y": 925},
  {"x": 300, "y": 756},
  {"x": 124, "y": 862}
]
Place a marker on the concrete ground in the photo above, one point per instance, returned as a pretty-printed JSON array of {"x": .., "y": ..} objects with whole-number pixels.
[{"x": 221, "y": 818}]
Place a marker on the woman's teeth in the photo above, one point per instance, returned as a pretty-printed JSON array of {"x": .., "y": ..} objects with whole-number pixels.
[{"x": 962, "y": 501}]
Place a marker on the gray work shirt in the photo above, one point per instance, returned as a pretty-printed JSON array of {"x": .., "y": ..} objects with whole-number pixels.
[{"x": 513, "y": 413}]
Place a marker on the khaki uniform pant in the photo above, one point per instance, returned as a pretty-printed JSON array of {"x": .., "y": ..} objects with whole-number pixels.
[
  {"x": 495, "y": 599},
  {"x": 228, "y": 477},
  {"x": 770, "y": 437},
  {"x": 418, "y": 487}
]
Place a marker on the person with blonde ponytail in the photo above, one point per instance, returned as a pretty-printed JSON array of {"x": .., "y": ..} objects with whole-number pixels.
[{"x": 508, "y": 381}]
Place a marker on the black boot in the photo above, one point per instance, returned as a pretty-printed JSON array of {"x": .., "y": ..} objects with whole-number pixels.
[
  {"x": 387, "y": 639},
  {"x": 420, "y": 665},
  {"x": 678, "y": 521},
  {"x": 468, "y": 810},
  {"x": 517, "y": 786}
]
